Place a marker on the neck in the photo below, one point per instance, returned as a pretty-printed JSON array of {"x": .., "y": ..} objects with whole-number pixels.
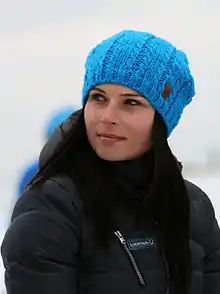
[{"x": 132, "y": 177}]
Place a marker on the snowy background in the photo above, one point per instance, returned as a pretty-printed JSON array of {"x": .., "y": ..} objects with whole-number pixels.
[{"x": 43, "y": 46}]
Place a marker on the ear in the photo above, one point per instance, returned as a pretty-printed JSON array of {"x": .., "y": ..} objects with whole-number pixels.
[{"x": 166, "y": 92}]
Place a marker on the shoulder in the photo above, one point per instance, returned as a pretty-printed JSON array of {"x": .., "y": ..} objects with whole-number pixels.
[
  {"x": 45, "y": 222},
  {"x": 204, "y": 226},
  {"x": 56, "y": 196},
  {"x": 199, "y": 199}
]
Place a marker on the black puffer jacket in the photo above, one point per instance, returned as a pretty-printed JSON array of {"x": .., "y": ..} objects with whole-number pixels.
[{"x": 50, "y": 247}]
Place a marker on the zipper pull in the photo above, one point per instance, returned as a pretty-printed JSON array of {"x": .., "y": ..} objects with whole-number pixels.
[
  {"x": 120, "y": 237},
  {"x": 131, "y": 258}
]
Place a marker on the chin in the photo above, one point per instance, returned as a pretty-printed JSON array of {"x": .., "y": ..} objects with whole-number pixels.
[{"x": 112, "y": 157}]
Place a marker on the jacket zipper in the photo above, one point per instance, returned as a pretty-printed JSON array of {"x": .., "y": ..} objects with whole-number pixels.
[{"x": 131, "y": 258}]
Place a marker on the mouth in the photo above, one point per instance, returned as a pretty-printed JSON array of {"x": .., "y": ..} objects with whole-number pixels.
[{"x": 109, "y": 136}]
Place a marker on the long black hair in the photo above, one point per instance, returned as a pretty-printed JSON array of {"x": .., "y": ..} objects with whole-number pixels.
[{"x": 167, "y": 201}]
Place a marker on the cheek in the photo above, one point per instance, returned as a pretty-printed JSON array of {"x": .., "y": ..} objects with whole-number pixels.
[
  {"x": 91, "y": 114},
  {"x": 88, "y": 114},
  {"x": 144, "y": 135},
  {"x": 90, "y": 120},
  {"x": 142, "y": 130}
]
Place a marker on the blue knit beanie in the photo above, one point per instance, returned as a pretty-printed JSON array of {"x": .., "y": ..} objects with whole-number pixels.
[{"x": 146, "y": 64}]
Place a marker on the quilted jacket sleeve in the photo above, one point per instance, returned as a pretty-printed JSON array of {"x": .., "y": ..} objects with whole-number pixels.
[
  {"x": 212, "y": 259},
  {"x": 41, "y": 245},
  {"x": 207, "y": 234}
]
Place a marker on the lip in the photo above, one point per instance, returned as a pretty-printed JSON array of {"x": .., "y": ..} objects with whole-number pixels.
[{"x": 110, "y": 136}]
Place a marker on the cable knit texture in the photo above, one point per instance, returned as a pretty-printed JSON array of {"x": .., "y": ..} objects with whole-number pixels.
[{"x": 144, "y": 63}]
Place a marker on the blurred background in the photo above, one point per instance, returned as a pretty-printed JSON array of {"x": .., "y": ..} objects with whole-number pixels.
[{"x": 43, "y": 46}]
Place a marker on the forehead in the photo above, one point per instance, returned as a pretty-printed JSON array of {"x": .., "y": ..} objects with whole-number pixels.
[{"x": 115, "y": 89}]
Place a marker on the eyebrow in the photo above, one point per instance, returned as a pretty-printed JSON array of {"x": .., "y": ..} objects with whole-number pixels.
[
  {"x": 123, "y": 94},
  {"x": 98, "y": 89}
]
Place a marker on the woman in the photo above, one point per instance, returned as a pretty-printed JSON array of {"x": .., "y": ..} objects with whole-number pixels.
[{"x": 109, "y": 211}]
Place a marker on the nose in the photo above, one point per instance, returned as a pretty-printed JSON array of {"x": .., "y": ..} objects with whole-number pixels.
[{"x": 109, "y": 114}]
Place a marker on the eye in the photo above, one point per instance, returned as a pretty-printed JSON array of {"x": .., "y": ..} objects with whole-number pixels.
[
  {"x": 97, "y": 97},
  {"x": 132, "y": 102}
]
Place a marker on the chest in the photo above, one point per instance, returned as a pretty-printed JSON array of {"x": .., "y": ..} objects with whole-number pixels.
[
  {"x": 131, "y": 264},
  {"x": 134, "y": 261}
]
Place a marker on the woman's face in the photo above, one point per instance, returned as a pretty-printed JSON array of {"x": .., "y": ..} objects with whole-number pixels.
[{"x": 118, "y": 122}]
